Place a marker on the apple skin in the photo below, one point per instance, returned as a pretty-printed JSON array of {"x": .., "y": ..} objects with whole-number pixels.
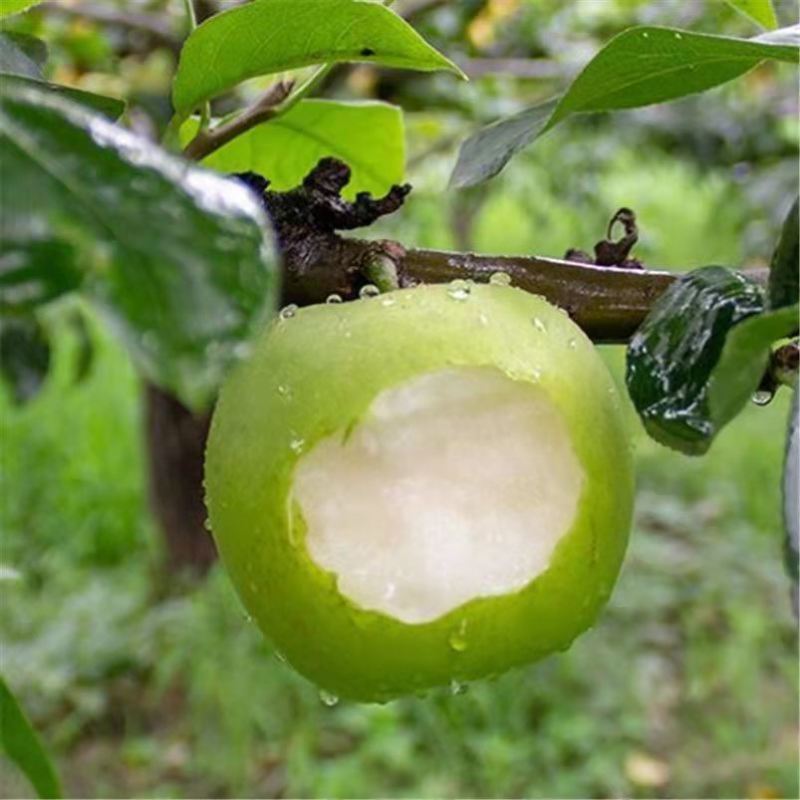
[{"x": 316, "y": 374}]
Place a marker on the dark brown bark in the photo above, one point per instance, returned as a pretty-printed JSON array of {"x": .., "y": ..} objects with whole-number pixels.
[{"x": 176, "y": 440}]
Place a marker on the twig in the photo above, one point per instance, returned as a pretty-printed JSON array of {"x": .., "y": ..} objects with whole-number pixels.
[{"x": 264, "y": 108}]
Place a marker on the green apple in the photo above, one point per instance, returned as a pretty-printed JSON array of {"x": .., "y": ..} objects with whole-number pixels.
[{"x": 428, "y": 486}]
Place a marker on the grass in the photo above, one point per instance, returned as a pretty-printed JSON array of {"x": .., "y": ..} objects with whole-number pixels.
[{"x": 687, "y": 687}]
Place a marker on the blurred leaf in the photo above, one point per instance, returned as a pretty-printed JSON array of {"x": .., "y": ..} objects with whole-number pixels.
[
  {"x": 9, "y": 7},
  {"x": 486, "y": 152},
  {"x": 179, "y": 259},
  {"x": 269, "y": 36},
  {"x": 791, "y": 493},
  {"x": 639, "y": 67},
  {"x": 23, "y": 747},
  {"x": 109, "y": 107},
  {"x": 689, "y": 370},
  {"x": 761, "y": 11},
  {"x": 368, "y": 137},
  {"x": 784, "y": 281},
  {"x": 35, "y": 271},
  {"x": 21, "y": 54},
  {"x": 24, "y": 356}
]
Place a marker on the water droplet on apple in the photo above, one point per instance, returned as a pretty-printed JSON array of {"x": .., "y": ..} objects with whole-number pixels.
[
  {"x": 457, "y": 687},
  {"x": 500, "y": 279},
  {"x": 539, "y": 325},
  {"x": 284, "y": 391},
  {"x": 572, "y": 343},
  {"x": 333, "y": 299},
  {"x": 296, "y": 444},
  {"x": 458, "y": 638},
  {"x": 388, "y": 301},
  {"x": 287, "y": 312},
  {"x": 459, "y": 289},
  {"x": 368, "y": 291}
]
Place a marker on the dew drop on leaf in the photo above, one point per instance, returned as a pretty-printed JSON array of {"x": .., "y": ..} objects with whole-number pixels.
[{"x": 763, "y": 397}]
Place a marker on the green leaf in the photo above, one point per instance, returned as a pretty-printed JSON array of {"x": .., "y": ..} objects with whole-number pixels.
[
  {"x": 109, "y": 107},
  {"x": 640, "y": 67},
  {"x": 177, "y": 258},
  {"x": 9, "y": 7},
  {"x": 269, "y": 36},
  {"x": 24, "y": 356},
  {"x": 700, "y": 354},
  {"x": 485, "y": 153},
  {"x": 369, "y": 137},
  {"x": 22, "y": 745},
  {"x": 744, "y": 360},
  {"x": 784, "y": 280},
  {"x": 21, "y": 54},
  {"x": 761, "y": 11}
]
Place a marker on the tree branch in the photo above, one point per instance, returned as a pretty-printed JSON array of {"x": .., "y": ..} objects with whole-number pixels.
[
  {"x": 609, "y": 303},
  {"x": 264, "y": 108}
]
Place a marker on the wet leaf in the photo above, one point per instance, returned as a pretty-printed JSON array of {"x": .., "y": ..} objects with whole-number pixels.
[
  {"x": 35, "y": 271},
  {"x": 700, "y": 355},
  {"x": 640, "y": 67},
  {"x": 784, "y": 277},
  {"x": 21, "y": 54},
  {"x": 761, "y": 11},
  {"x": 178, "y": 259},
  {"x": 24, "y": 356},
  {"x": 269, "y": 36},
  {"x": 109, "y": 107},
  {"x": 368, "y": 137}
]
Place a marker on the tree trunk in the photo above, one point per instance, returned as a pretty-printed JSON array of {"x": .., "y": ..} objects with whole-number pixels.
[{"x": 176, "y": 440}]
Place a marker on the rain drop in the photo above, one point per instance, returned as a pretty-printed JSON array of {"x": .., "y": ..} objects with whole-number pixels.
[
  {"x": 327, "y": 698},
  {"x": 678, "y": 36},
  {"x": 287, "y": 312},
  {"x": 333, "y": 299},
  {"x": 572, "y": 343},
  {"x": 763, "y": 397},
  {"x": 500, "y": 279},
  {"x": 539, "y": 325},
  {"x": 207, "y": 524},
  {"x": 368, "y": 291},
  {"x": 459, "y": 289},
  {"x": 457, "y": 687},
  {"x": 284, "y": 391},
  {"x": 483, "y": 319},
  {"x": 645, "y": 35},
  {"x": 296, "y": 444},
  {"x": 388, "y": 301}
]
